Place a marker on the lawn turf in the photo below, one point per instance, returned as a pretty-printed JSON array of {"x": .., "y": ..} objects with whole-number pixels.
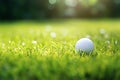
[{"x": 46, "y": 50}]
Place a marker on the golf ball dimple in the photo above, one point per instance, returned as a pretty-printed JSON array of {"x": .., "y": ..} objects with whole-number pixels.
[{"x": 84, "y": 45}]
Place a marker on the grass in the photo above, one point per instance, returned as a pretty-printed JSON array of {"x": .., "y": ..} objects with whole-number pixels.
[{"x": 46, "y": 50}]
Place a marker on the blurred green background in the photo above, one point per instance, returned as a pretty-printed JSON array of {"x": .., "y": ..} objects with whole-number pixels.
[{"x": 47, "y": 9}]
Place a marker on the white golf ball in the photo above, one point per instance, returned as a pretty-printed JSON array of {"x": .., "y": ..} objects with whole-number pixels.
[{"x": 84, "y": 45}]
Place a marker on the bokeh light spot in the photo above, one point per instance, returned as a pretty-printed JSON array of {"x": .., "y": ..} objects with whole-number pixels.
[
  {"x": 52, "y": 1},
  {"x": 70, "y": 3}
]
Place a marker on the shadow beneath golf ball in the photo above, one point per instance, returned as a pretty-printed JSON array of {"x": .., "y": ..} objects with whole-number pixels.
[{"x": 92, "y": 53}]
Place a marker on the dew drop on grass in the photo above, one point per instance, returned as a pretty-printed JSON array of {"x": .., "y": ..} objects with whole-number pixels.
[
  {"x": 53, "y": 35},
  {"x": 107, "y": 42},
  {"x": 102, "y": 31},
  {"x": 3, "y": 44},
  {"x": 9, "y": 42},
  {"x": 15, "y": 49},
  {"x": 34, "y": 42},
  {"x": 23, "y": 44},
  {"x": 116, "y": 42}
]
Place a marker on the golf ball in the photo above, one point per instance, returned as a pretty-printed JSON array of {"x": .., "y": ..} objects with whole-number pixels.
[{"x": 84, "y": 45}]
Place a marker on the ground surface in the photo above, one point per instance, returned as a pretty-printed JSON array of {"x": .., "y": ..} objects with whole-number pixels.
[{"x": 46, "y": 50}]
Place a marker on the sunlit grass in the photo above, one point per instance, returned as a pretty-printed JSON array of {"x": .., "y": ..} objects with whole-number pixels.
[{"x": 46, "y": 50}]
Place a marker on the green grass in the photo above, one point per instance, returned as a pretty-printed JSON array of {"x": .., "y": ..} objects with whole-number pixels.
[{"x": 28, "y": 51}]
